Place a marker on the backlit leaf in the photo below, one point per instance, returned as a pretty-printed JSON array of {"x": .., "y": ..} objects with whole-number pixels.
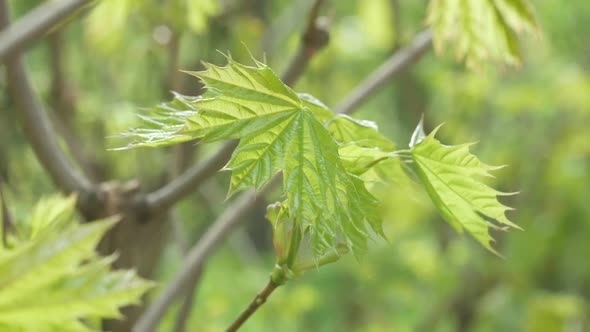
[
  {"x": 481, "y": 29},
  {"x": 51, "y": 277},
  {"x": 450, "y": 175}
]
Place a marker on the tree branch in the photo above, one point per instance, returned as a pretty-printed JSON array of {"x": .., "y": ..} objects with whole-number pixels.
[
  {"x": 314, "y": 39},
  {"x": 397, "y": 63},
  {"x": 187, "y": 304},
  {"x": 63, "y": 102},
  {"x": 165, "y": 197},
  {"x": 36, "y": 123},
  {"x": 36, "y": 24},
  {"x": 196, "y": 257},
  {"x": 189, "y": 297},
  {"x": 259, "y": 300}
]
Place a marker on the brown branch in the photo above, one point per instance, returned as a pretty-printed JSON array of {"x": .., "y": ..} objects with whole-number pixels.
[
  {"x": 64, "y": 107},
  {"x": 35, "y": 24},
  {"x": 259, "y": 300},
  {"x": 187, "y": 304},
  {"x": 165, "y": 197},
  {"x": 314, "y": 39},
  {"x": 397, "y": 63},
  {"x": 196, "y": 257},
  {"x": 36, "y": 124}
]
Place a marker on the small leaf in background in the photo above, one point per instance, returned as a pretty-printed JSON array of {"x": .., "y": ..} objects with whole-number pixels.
[
  {"x": 449, "y": 175},
  {"x": 52, "y": 277},
  {"x": 109, "y": 37},
  {"x": 374, "y": 15},
  {"x": 481, "y": 30},
  {"x": 548, "y": 312},
  {"x": 197, "y": 13}
]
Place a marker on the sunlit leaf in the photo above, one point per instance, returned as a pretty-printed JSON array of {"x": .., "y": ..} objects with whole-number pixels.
[
  {"x": 198, "y": 12},
  {"x": 450, "y": 175},
  {"x": 361, "y": 144},
  {"x": 481, "y": 29},
  {"x": 51, "y": 277}
]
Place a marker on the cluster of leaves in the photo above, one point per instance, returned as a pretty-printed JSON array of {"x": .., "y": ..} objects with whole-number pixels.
[
  {"x": 279, "y": 131},
  {"x": 324, "y": 159},
  {"x": 52, "y": 279},
  {"x": 482, "y": 29}
]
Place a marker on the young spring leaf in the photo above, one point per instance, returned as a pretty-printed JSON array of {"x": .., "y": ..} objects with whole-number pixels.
[
  {"x": 449, "y": 175},
  {"x": 279, "y": 131},
  {"x": 361, "y": 145},
  {"x": 481, "y": 29},
  {"x": 51, "y": 276}
]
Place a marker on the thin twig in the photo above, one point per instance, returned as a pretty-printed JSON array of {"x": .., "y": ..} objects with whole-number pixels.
[
  {"x": 193, "y": 265},
  {"x": 64, "y": 106},
  {"x": 259, "y": 300},
  {"x": 36, "y": 124},
  {"x": 393, "y": 66},
  {"x": 36, "y": 24},
  {"x": 189, "y": 299},
  {"x": 165, "y": 197},
  {"x": 315, "y": 38},
  {"x": 187, "y": 304}
]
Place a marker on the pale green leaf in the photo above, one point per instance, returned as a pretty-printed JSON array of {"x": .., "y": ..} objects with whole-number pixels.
[
  {"x": 363, "y": 133},
  {"x": 53, "y": 213},
  {"x": 109, "y": 37},
  {"x": 451, "y": 175},
  {"x": 197, "y": 13},
  {"x": 361, "y": 146},
  {"x": 52, "y": 277},
  {"x": 481, "y": 29},
  {"x": 321, "y": 111}
]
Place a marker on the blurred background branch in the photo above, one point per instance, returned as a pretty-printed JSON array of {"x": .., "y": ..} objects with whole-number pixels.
[
  {"x": 35, "y": 121},
  {"x": 34, "y": 25}
]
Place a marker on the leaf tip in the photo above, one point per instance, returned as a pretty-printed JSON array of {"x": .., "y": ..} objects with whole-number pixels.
[{"x": 418, "y": 135}]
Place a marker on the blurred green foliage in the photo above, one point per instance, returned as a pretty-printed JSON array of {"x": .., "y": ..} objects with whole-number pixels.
[
  {"x": 425, "y": 278},
  {"x": 52, "y": 278}
]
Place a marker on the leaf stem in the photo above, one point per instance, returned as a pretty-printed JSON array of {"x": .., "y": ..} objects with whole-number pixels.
[{"x": 254, "y": 305}]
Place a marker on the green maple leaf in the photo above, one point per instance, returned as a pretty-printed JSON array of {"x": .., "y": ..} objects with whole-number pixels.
[
  {"x": 51, "y": 276},
  {"x": 481, "y": 29},
  {"x": 449, "y": 174},
  {"x": 361, "y": 145},
  {"x": 367, "y": 153},
  {"x": 279, "y": 131}
]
